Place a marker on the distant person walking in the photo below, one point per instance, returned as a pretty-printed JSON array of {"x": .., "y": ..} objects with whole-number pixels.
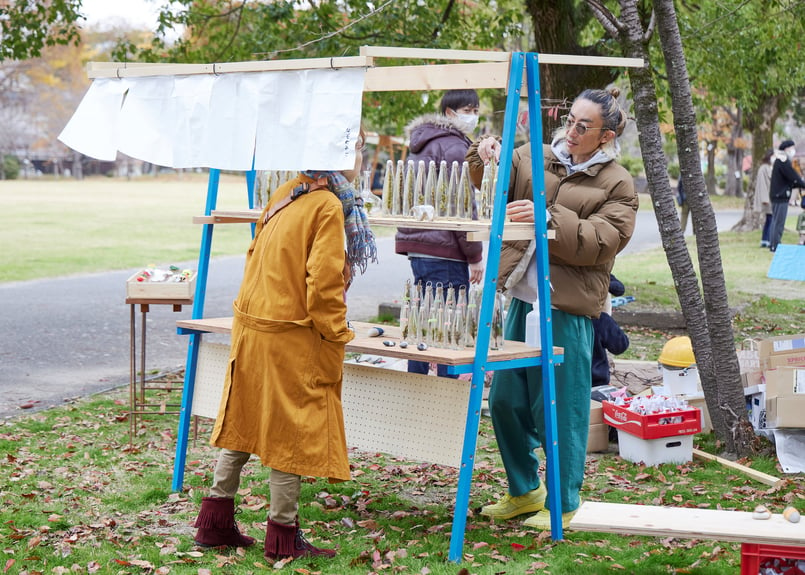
[
  {"x": 783, "y": 178},
  {"x": 762, "y": 204}
]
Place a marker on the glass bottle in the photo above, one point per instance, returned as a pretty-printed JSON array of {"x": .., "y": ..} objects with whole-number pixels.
[
  {"x": 452, "y": 190},
  {"x": 464, "y": 195},
  {"x": 408, "y": 190},
  {"x": 388, "y": 189},
  {"x": 459, "y": 318},
  {"x": 496, "y": 331},
  {"x": 399, "y": 179},
  {"x": 471, "y": 322},
  {"x": 419, "y": 184},
  {"x": 441, "y": 190},
  {"x": 430, "y": 184}
]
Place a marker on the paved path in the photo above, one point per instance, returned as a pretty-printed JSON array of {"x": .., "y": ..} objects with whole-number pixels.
[{"x": 69, "y": 337}]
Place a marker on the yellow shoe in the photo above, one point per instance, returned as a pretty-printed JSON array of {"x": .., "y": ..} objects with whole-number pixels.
[
  {"x": 542, "y": 520},
  {"x": 509, "y": 506}
]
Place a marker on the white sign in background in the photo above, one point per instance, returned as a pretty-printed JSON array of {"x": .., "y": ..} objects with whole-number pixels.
[{"x": 278, "y": 120}]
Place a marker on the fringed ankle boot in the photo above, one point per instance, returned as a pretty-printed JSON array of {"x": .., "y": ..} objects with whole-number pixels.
[
  {"x": 216, "y": 524},
  {"x": 289, "y": 541}
]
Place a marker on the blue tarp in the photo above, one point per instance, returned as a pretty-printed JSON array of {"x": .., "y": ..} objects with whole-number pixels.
[{"x": 788, "y": 263}]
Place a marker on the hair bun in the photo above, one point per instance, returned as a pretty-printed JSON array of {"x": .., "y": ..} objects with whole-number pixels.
[{"x": 614, "y": 91}]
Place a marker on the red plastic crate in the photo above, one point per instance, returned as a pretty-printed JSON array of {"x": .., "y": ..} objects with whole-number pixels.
[
  {"x": 649, "y": 426},
  {"x": 753, "y": 554}
]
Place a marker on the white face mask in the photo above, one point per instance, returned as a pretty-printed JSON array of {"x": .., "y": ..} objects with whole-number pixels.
[
  {"x": 470, "y": 121},
  {"x": 791, "y": 152}
]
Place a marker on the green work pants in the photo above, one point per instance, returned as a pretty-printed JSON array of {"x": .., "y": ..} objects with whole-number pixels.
[{"x": 518, "y": 416}]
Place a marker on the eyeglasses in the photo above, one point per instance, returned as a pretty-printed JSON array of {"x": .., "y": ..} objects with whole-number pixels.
[{"x": 581, "y": 129}]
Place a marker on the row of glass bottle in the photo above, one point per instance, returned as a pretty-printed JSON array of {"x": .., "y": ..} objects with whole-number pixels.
[
  {"x": 447, "y": 318},
  {"x": 447, "y": 188}
]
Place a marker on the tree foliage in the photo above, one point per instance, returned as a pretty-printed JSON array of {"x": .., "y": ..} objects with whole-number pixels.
[
  {"x": 746, "y": 59},
  {"x": 27, "y": 27}
]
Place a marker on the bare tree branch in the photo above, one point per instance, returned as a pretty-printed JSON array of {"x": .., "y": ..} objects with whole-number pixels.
[
  {"x": 607, "y": 19},
  {"x": 328, "y": 35}
]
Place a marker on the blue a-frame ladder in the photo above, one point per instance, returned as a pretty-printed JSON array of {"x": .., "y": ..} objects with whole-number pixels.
[{"x": 547, "y": 360}]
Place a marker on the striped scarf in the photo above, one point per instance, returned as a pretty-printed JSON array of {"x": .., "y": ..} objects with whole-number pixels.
[{"x": 361, "y": 247}]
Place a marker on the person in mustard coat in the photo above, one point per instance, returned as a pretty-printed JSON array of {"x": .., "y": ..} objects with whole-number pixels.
[{"x": 282, "y": 393}]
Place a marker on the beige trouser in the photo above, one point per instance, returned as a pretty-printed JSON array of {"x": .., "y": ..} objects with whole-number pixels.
[{"x": 284, "y": 487}]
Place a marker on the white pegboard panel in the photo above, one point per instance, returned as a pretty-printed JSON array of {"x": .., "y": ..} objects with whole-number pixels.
[
  {"x": 213, "y": 359},
  {"x": 418, "y": 417}
]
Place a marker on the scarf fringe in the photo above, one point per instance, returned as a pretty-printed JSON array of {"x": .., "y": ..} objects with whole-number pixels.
[{"x": 361, "y": 247}]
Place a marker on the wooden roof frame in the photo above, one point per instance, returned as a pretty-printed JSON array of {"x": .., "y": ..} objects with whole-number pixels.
[{"x": 478, "y": 68}]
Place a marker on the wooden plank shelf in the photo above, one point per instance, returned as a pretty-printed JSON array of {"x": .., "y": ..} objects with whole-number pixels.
[
  {"x": 512, "y": 350},
  {"x": 477, "y": 230}
]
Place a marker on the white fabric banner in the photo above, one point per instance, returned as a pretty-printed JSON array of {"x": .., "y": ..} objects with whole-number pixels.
[{"x": 279, "y": 120}]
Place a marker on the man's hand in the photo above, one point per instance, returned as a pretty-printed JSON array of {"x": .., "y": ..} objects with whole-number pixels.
[
  {"x": 520, "y": 211},
  {"x": 489, "y": 148},
  {"x": 476, "y": 272}
]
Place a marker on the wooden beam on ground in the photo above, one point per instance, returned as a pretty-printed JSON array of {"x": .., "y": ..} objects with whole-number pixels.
[
  {"x": 754, "y": 474},
  {"x": 686, "y": 523}
]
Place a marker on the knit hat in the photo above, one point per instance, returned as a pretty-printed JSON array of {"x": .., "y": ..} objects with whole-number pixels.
[{"x": 786, "y": 144}]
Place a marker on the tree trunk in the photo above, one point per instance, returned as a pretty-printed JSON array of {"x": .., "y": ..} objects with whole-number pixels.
[
  {"x": 557, "y": 24},
  {"x": 708, "y": 318},
  {"x": 760, "y": 122},
  {"x": 78, "y": 171},
  {"x": 715, "y": 355},
  {"x": 734, "y": 156}
]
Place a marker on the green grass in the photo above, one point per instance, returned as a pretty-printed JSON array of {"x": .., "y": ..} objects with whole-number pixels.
[
  {"x": 63, "y": 227},
  {"x": 79, "y": 498}
]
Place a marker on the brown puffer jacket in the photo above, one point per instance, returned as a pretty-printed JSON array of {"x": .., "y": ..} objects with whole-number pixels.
[{"x": 593, "y": 214}]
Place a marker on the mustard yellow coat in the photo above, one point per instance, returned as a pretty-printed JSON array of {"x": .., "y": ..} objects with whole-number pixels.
[{"x": 282, "y": 393}]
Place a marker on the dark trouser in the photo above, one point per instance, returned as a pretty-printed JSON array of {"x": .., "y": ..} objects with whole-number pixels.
[
  {"x": 779, "y": 211},
  {"x": 764, "y": 237},
  {"x": 435, "y": 271}
]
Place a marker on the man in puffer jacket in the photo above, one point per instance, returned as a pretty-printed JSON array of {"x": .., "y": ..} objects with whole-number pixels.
[{"x": 442, "y": 256}]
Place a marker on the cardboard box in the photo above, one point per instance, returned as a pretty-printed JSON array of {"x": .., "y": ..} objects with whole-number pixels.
[
  {"x": 785, "y": 382},
  {"x": 751, "y": 378},
  {"x": 596, "y": 412},
  {"x": 783, "y": 344},
  {"x": 165, "y": 290},
  {"x": 598, "y": 439},
  {"x": 793, "y": 359},
  {"x": 654, "y": 425},
  {"x": 677, "y": 449},
  {"x": 788, "y": 412}
]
